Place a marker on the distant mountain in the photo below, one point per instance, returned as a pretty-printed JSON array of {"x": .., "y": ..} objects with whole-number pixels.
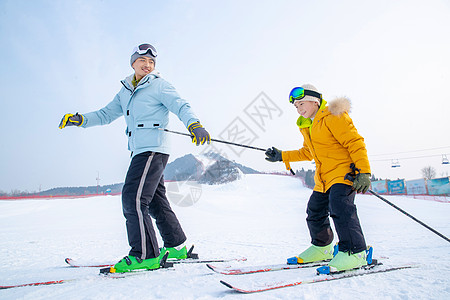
[
  {"x": 244, "y": 169},
  {"x": 184, "y": 168},
  {"x": 83, "y": 190},
  {"x": 209, "y": 168},
  {"x": 220, "y": 171}
]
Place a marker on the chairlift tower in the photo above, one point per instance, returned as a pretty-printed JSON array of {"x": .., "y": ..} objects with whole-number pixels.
[{"x": 98, "y": 180}]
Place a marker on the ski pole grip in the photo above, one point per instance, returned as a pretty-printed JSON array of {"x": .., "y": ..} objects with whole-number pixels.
[{"x": 350, "y": 177}]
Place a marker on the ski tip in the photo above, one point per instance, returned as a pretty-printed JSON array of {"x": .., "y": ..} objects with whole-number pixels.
[
  {"x": 226, "y": 284},
  {"x": 68, "y": 260},
  {"x": 3, "y": 287},
  {"x": 237, "y": 289}
]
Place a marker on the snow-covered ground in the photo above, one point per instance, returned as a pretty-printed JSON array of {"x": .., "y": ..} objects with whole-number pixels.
[{"x": 261, "y": 217}]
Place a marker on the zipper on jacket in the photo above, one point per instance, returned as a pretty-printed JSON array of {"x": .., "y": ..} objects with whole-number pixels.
[
  {"x": 125, "y": 86},
  {"x": 130, "y": 138}
]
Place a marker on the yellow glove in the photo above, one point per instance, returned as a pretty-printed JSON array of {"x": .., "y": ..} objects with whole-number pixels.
[
  {"x": 199, "y": 134},
  {"x": 71, "y": 120}
]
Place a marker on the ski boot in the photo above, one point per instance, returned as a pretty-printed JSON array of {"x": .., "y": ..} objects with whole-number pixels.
[
  {"x": 133, "y": 263},
  {"x": 314, "y": 254},
  {"x": 179, "y": 252},
  {"x": 344, "y": 261}
]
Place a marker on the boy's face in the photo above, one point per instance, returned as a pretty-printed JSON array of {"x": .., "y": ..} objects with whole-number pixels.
[
  {"x": 306, "y": 109},
  {"x": 143, "y": 66}
]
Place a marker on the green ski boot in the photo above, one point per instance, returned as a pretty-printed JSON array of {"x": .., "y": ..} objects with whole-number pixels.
[
  {"x": 179, "y": 252},
  {"x": 344, "y": 261},
  {"x": 132, "y": 263},
  {"x": 313, "y": 254}
]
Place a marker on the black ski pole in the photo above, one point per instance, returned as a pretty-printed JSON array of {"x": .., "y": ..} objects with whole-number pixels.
[
  {"x": 221, "y": 141},
  {"x": 351, "y": 176},
  {"x": 214, "y": 140},
  {"x": 412, "y": 217}
]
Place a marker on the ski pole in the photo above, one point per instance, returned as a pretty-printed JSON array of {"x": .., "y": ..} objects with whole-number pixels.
[
  {"x": 351, "y": 176},
  {"x": 220, "y": 141},
  {"x": 214, "y": 140},
  {"x": 412, "y": 217}
]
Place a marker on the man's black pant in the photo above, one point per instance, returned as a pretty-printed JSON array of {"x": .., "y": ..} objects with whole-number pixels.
[
  {"x": 144, "y": 195},
  {"x": 337, "y": 202}
]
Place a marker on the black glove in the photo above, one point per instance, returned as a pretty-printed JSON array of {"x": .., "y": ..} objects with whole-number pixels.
[
  {"x": 71, "y": 120},
  {"x": 199, "y": 134},
  {"x": 362, "y": 182},
  {"x": 273, "y": 154}
]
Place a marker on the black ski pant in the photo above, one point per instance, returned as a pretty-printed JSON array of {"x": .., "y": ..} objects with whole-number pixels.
[
  {"x": 337, "y": 202},
  {"x": 144, "y": 195}
]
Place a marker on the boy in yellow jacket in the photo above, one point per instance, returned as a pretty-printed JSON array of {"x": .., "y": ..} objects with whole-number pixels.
[{"x": 332, "y": 141}]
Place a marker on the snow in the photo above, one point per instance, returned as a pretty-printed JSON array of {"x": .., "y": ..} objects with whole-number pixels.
[{"x": 261, "y": 217}]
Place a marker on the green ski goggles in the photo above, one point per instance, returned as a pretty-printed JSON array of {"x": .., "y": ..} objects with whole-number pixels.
[{"x": 299, "y": 93}]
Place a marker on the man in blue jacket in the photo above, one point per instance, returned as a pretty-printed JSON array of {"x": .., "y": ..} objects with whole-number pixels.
[{"x": 145, "y": 101}]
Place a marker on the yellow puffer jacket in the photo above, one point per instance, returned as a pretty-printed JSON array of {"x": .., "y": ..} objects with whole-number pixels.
[{"x": 333, "y": 142}]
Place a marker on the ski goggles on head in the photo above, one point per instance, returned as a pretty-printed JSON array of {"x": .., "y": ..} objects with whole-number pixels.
[
  {"x": 144, "y": 49},
  {"x": 299, "y": 93}
]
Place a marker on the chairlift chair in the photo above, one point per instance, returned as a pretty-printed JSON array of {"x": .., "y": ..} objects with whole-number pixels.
[
  {"x": 445, "y": 159},
  {"x": 395, "y": 163}
]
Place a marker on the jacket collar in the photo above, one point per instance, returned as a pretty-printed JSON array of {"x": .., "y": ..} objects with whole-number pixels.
[{"x": 127, "y": 82}]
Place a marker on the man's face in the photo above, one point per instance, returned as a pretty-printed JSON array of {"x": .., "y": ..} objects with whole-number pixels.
[
  {"x": 306, "y": 109},
  {"x": 143, "y": 66}
]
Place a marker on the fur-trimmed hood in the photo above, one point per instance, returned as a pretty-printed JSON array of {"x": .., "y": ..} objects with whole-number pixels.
[
  {"x": 339, "y": 105},
  {"x": 335, "y": 107}
]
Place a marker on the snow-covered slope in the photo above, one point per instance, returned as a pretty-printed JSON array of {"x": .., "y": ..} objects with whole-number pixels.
[{"x": 261, "y": 217}]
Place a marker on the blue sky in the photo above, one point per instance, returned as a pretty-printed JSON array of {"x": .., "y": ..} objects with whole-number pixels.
[{"x": 389, "y": 57}]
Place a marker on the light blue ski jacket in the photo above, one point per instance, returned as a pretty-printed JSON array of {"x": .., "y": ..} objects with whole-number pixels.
[{"x": 146, "y": 109}]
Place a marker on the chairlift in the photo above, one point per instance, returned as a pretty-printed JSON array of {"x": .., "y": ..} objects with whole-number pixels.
[
  {"x": 445, "y": 159},
  {"x": 395, "y": 163}
]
